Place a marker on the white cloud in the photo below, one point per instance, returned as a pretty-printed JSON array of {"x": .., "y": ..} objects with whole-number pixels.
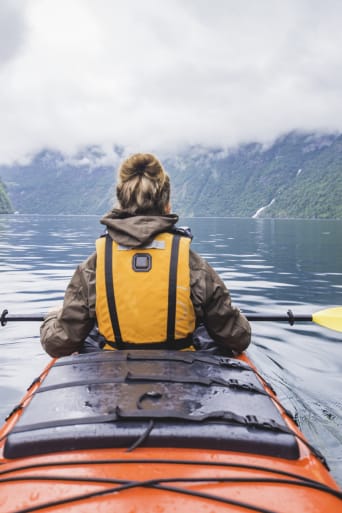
[
  {"x": 161, "y": 74},
  {"x": 12, "y": 29}
]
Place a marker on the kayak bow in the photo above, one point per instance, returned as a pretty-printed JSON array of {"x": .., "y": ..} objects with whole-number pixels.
[{"x": 155, "y": 431}]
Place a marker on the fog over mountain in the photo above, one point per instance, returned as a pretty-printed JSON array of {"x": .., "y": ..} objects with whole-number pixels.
[
  {"x": 215, "y": 89},
  {"x": 300, "y": 175}
]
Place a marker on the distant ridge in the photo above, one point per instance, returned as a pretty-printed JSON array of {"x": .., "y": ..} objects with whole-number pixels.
[{"x": 298, "y": 176}]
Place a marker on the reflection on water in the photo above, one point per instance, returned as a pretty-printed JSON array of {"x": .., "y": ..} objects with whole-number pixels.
[{"x": 268, "y": 265}]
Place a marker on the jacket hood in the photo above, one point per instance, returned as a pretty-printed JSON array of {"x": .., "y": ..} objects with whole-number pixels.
[{"x": 134, "y": 231}]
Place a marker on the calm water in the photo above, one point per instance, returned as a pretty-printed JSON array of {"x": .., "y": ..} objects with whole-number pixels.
[{"x": 268, "y": 265}]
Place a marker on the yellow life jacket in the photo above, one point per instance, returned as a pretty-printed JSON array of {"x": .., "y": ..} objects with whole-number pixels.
[{"x": 143, "y": 294}]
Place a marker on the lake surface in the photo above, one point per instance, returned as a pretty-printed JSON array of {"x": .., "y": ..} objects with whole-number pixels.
[{"x": 268, "y": 265}]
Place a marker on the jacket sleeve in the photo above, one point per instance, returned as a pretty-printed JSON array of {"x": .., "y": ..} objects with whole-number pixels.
[
  {"x": 63, "y": 330},
  {"x": 212, "y": 303}
]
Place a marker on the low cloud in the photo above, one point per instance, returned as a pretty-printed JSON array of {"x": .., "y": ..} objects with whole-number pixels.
[
  {"x": 12, "y": 29},
  {"x": 158, "y": 76}
]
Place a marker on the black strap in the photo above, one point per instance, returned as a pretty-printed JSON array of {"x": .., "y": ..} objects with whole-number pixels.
[
  {"x": 171, "y": 314},
  {"x": 176, "y": 344},
  {"x": 119, "y": 414},
  {"x": 110, "y": 291},
  {"x": 188, "y": 357}
]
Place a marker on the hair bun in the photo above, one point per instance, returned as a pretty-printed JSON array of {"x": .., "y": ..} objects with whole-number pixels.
[
  {"x": 140, "y": 170},
  {"x": 142, "y": 164},
  {"x": 143, "y": 185}
]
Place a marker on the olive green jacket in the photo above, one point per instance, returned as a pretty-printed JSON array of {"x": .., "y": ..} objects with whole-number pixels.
[{"x": 64, "y": 330}]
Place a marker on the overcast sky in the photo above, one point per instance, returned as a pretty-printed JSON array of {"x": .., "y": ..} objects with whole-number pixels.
[{"x": 158, "y": 75}]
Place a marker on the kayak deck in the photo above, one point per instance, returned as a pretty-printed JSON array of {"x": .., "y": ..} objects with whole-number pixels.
[
  {"x": 177, "y": 399},
  {"x": 157, "y": 431}
]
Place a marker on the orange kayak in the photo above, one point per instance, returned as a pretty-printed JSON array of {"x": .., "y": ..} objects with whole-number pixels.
[{"x": 158, "y": 432}]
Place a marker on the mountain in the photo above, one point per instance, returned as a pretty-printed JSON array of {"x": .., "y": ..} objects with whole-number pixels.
[
  {"x": 298, "y": 176},
  {"x": 50, "y": 184},
  {"x": 5, "y": 204}
]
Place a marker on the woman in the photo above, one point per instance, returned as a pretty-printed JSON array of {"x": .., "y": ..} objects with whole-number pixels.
[{"x": 144, "y": 287}]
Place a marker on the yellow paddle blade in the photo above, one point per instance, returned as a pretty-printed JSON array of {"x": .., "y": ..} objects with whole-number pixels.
[{"x": 330, "y": 318}]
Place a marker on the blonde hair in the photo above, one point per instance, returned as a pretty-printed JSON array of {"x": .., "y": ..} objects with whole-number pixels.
[{"x": 143, "y": 186}]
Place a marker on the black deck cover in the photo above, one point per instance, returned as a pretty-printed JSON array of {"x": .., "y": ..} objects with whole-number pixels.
[{"x": 153, "y": 399}]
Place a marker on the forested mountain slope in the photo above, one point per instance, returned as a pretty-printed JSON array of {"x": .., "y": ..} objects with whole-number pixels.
[
  {"x": 299, "y": 176},
  {"x": 5, "y": 204}
]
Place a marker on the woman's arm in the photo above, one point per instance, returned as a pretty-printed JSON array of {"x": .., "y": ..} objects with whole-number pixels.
[
  {"x": 213, "y": 307},
  {"x": 64, "y": 330}
]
